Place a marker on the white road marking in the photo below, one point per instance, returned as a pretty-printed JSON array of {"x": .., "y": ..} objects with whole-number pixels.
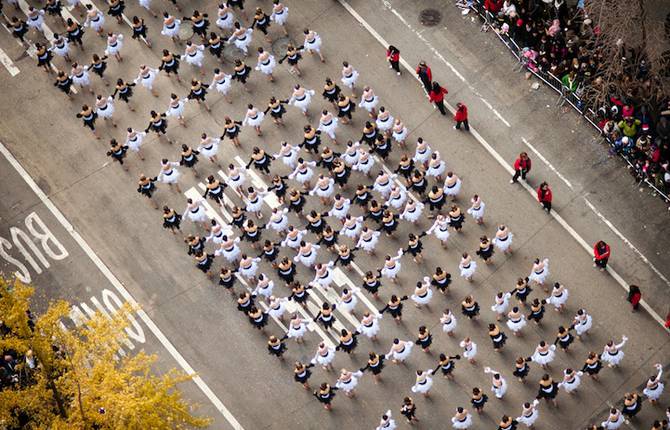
[
  {"x": 549, "y": 165},
  {"x": 186, "y": 367},
  {"x": 508, "y": 168},
  {"x": 9, "y": 64}
]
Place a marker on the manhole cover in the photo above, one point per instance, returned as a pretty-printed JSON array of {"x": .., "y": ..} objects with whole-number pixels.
[{"x": 430, "y": 17}]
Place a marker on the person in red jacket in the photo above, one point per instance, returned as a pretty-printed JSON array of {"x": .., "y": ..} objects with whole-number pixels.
[
  {"x": 601, "y": 253},
  {"x": 425, "y": 75},
  {"x": 521, "y": 167},
  {"x": 634, "y": 296},
  {"x": 544, "y": 196},
  {"x": 393, "y": 57},
  {"x": 493, "y": 6},
  {"x": 436, "y": 95},
  {"x": 461, "y": 117}
]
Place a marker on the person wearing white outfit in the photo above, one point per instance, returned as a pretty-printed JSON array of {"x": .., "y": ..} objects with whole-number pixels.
[
  {"x": 503, "y": 239},
  {"x": 582, "y": 323},
  {"x": 351, "y": 226},
  {"x": 324, "y": 274},
  {"x": 349, "y": 75},
  {"x": 293, "y": 237},
  {"x": 146, "y": 77},
  {"x": 422, "y": 293},
  {"x": 313, "y": 43},
  {"x": 461, "y": 419},
  {"x": 397, "y": 196},
  {"x": 501, "y": 304},
  {"x": 424, "y": 382},
  {"x": 387, "y": 422},
  {"x": 324, "y": 356},
  {"x": 222, "y": 83},
  {"x": 469, "y": 349},
  {"x": 306, "y": 254},
  {"x": 368, "y": 240},
  {"x": 280, "y": 15},
  {"x": 35, "y": 18},
  {"x": 364, "y": 163},
  {"x": 559, "y": 295},
  {"x": 176, "y": 108},
  {"x": 369, "y": 101},
  {"x": 229, "y": 248},
  {"x": 194, "y": 54},
  {"x": 196, "y": 212},
  {"x": 171, "y": 27},
  {"x": 400, "y": 350},
  {"x": 241, "y": 38},
  {"x": 516, "y": 321},
  {"x": 79, "y": 75},
  {"x": 209, "y": 147},
  {"x": 449, "y": 322},
  {"x": 440, "y": 229},
  {"x": 654, "y": 387},
  {"x": 301, "y": 98},
  {"x": 422, "y": 153},
  {"x": 348, "y": 299},
  {"x": 383, "y": 183},
  {"x": 169, "y": 174},
  {"x": 571, "y": 380},
  {"x": 114, "y": 45},
  {"x": 297, "y": 328},
  {"x": 369, "y": 325},
  {"x": 94, "y": 19},
  {"x": 384, "y": 121},
  {"x": 104, "y": 107},
  {"x": 452, "y": 186},
  {"x": 264, "y": 286},
  {"x": 216, "y": 234},
  {"x": 498, "y": 383},
  {"x": 225, "y": 17},
  {"x": 544, "y": 354},
  {"x": 340, "y": 207},
  {"x": 467, "y": 267},
  {"x": 254, "y": 118},
  {"x": 412, "y": 211},
  {"x": 266, "y": 63},
  {"x": 540, "y": 271},
  {"x": 277, "y": 307},
  {"x": 614, "y": 420},
  {"x": 134, "y": 141},
  {"x": 303, "y": 172},
  {"x": 351, "y": 154},
  {"x": 476, "y": 211},
  {"x": 392, "y": 266},
  {"x": 279, "y": 220},
  {"x": 328, "y": 125},
  {"x": 347, "y": 381},
  {"x": 436, "y": 167},
  {"x": 288, "y": 154},
  {"x": 400, "y": 132},
  {"x": 612, "y": 353},
  {"x": 529, "y": 414},
  {"x": 61, "y": 47},
  {"x": 254, "y": 201}
]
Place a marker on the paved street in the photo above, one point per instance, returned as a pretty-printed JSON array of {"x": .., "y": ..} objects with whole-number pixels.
[{"x": 200, "y": 320}]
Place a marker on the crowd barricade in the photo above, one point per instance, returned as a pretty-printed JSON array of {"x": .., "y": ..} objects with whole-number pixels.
[{"x": 565, "y": 94}]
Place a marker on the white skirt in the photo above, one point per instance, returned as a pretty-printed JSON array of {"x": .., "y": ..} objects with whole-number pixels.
[
  {"x": 370, "y": 244},
  {"x": 402, "y": 356},
  {"x": 254, "y": 122},
  {"x": 340, "y": 213},
  {"x": 62, "y": 50},
  {"x": 350, "y": 305},
  {"x": 392, "y": 272},
  {"x": 442, "y": 235},
  {"x": 412, "y": 216},
  {"x": 477, "y": 213},
  {"x": 613, "y": 360},
  {"x": 325, "y": 282},
  {"x": 237, "y": 182},
  {"x": 176, "y": 111},
  {"x": 350, "y": 81},
  {"x": 544, "y": 359},
  {"x": 278, "y": 311},
  {"x": 82, "y": 80},
  {"x": 350, "y": 159},
  {"x": 500, "y": 391},
  {"x": 467, "y": 272},
  {"x": 470, "y": 353},
  {"x": 500, "y": 308},
  {"x": 423, "y": 388},
  {"x": 503, "y": 245},
  {"x": 226, "y": 21},
  {"x": 280, "y": 224},
  {"x": 436, "y": 171},
  {"x": 386, "y": 124},
  {"x": 211, "y": 152},
  {"x": 364, "y": 167},
  {"x": 224, "y": 86},
  {"x": 352, "y": 232},
  {"x": 325, "y": 360},
  {"x": 304, "y": 176},
  {"x": 170, "y": 178},
  {"x": 255, "y": 205},
  {"x": 423, "y": 300},
  {"x": 304, "y": 103},
  {"x": 516, "y": 326},
  {"x": 558, "y": 301},
  {"x": 655, "y": 393},
  {"x": 384, "y": 189},
  {"x": 114, "y": 49},
  {"x": 422, "y": 157},
  {"x": 572, "y": 386},
  {"x": 173, "y": 31},
  {"x": 249, "y": 272},
  {"x": 307, "y": 260},
  {"x": 450, "y": 326},
  {"x": 268, "y": 66},
  {"x": 529, "y": 420},
  {"x": 266, "y": 291},
  {"x": 243, "y": 44},
  {"x": 325, "y": 192},
  {"x": 541, "y": 276},
  {"x": 195, "y": 59},
  {"x": 609, "y": 425},
  {"x": 454, "y": 190},
  {"x": 466, "y": 423},
  {"x": 97, "y": 24},
  {"x": 330, "y": 128},
  {"x": 231, "y": 254},
  {"x": 145, "y": 4},
  {"x": 148, "y": 82},
  {"x": 298, "y": 332},
  {"x": 198, "y": 216},
  {"x": 134, "y": 145},
  {"x": 290, "y": 159},
  {"x": 348, "y": 386},
  {"x": 280, "y": 18},
  {"x": 400, "y": 136},
  {"x": 36, "y": 23},
  {"x": 368, "y": 105},
  {"x": 314, "y": 45},
  {"x": 585, "y": 326},
  {"x": 292, "y": 243},
  {"x": 398, "y": 201},
  {"x": 371, "y": 330},
  {"x": 107, "y": 112}
]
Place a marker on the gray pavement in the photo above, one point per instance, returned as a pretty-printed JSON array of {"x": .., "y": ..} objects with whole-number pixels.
[{"x": 200, "y": 319}]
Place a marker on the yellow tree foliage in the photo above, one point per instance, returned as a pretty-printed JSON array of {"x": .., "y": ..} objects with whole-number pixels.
[{"x": 81, "y": 380}]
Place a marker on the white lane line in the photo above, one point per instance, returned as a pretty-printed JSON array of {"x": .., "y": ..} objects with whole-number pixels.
[
  {"x": 439, "y": 56},
  {"x": 121, "y": 289},
  {"x": 9, "y": 64},
  {"x": 545, "y": 161},
  {"x": 508, "y": 168}
]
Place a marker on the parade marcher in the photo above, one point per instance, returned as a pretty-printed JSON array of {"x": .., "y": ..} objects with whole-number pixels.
[
  {"x": 548, "y": 389},
  {"x": 392, "y": 266},
  {"x": 423, "y": 153},
  {"x": 266, "y": 63},
  {"x": 114, "y": 45},
  {"x": 540, "y": 271},
  {"x": 301, "y": 374},
  {"x": 461, "y": 117},
  {"x": 232, "y": 130},
  {"x": 424, "y": 339},
  {"x": 582, "y": 323},
  {"x": 470, "y": 307},
  {"x": 394, "y": 307},
  {"x": 196, "y": 212},
  {"x": 264, "y": 287},
  {"x": 559, "y": 295},
  {"x": 146, "y": 77},
  {"x": 79, "y": 75},
  {"x": 229, "y": 248},
  {"x": 116, "y": 8},
  {"x": 372, "y": 284},
  {"x": 601, "y": 254},
  {"x": 449, "y": 322},
  {"x": 408, "y": 410},
  {"x": 452, "y": 186},
  {"x": 276, "y": 347},
  {"x": 347, "y": 382},
  {"x": 241, "y": 37},
  {"x": 20, "y": 28},
  {"x": 544, "y": 196},
  {"x": 94, "y": 19},
  {"x": 215, "y": 46},
  {"x": 424, "y": 382},
  {"x": 537, "y": 311},
  {"x": 312, "y": 43},
  {"x": 88, "y": 117},
  {"x": 216, "y": 233},
  {"x": 400, "y": 350},
  {"x": 225, "y": 17},
  {"x": 348, "y": 341},
  {"x": 204, "y": 262},
  {"x": 498, "y": 383},
  {"x": 369, "y": 101},
  {"x": 415, "y": 248},
  {"x": 507, "y": 423},
  {"x": 325, "y": 394},
  {"x": 467, "y": 267},
  {"x": 176, "y": 108},
  {"x": 194, "y": 55},
  {"x": 614, "y": 420},
  {"x": 476, "y": 211},
  {"x": 261, "y": 22},
  {"x": 118, "y": 152},
  {"x": 486, "y": 249},
  {"x": 461, "y": 419},
  {"x": 469, "y": 349},
  {"x": 199, "y": 23},
  {"x": 425, "y": 76},
  {"x": 171, "y": 220},
  {"x": 521, "y": 369},
  {"x": 632, "y": 404},
  {"x": 446, "y": 365},
  {"x": 387, "y": 422},
  {"x": 64, "y": 83},
  {"x": 564, "y": 338},
  {"x": 301, "y": 98},
  {"x": 497, "y": 337},
  {"x": 544, "y": 354},
  {"x": 478, "y": 400},
  {"x": 209, "y": 147},
  {"x": 236, "y": 179},
  {"x": 393, "y": 57},
  {"x": 516, "y": 321},
  {"x": 612, "y": 353},
  {"x": 369, "y": 325},
  {"x": 171, "y": 27},
  {"x": 324, "y": 356},
  {"x": 269, "y": 251},
  {"x": 571, "y": 380},
  {"x": 297, "y": 328},
  {"x": 654, "y": 387},
  {"x": 123, "y": 89},
  {"x": 198, "y": 92},
  {"x": 522, "y": 290},
  {"x": 441, "y": 280},
  {"x": 503, "y": 239},
  {"x": 592, "y": 365},
  {"x": 522, "y": 166},
  {"x": 293, "y": 57},
  {"x": 280, "y": 15},
  {"x": 436, "y": 96},
  {"x": 61, "y": 47},
  {"x": 146, "y": 186},
  {"x": 501, "y": 304}
]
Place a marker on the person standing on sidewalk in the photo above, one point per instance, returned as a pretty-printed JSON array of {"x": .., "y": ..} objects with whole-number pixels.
[
  {"x": 393, "y": 57},
  {"x": 436, "y": 95},
  {"x": 425, "y": 75},
  {"x": 601, "y": 253},
  {"x": 461, "y": 117},
  {"x": 544, "y": 196},
  {"x": 521, "y": 167}
]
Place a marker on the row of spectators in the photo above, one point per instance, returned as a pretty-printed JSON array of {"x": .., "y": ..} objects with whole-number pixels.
[{"x": 555, "y": 38}]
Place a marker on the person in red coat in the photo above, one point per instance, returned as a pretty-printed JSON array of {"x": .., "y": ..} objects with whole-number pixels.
[
  {"x": 436, "y": 95},
  {"x": 461, "y": 117},
  {"x": 634, "y": 296},
  {"x": 601, "y": 253},
  {"x": 521, "y": 167},
  {"x": 393, "y": 57},
  {"x": 493, "y": 6},
  {"x": 425, "y": 75},
  {"x": 544, "y": 196}
]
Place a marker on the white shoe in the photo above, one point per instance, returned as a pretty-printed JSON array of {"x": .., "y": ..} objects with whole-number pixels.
[
  {"x": 511, "y": 181},
  {"x": 454, "y": 127}
]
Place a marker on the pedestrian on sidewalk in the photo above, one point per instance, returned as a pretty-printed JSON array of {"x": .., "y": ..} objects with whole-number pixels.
[
  {"x": 544, "y": 196},
  {"x": 521, "y": 167},
  {"x": 634, "y": 296},
  {"x": 393, "y": 57},
  {"x": 436, "y": 95},
  {"x": 425, "y": 75},
  {"x": 461, "y": 117},
  {"x": 601, "y": 253}
]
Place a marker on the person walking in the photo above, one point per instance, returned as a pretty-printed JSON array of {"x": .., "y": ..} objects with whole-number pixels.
[
  {"x": 461, "y": 117},
  {"x": 601, "y": 253},
  {"x": 521, "y": 167},
  {"x": 436, "y": 95},
  {"x": 425, "y": 75},
  {"x": 393, "y": 57},
  {"x": 544, "y": 196}
]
